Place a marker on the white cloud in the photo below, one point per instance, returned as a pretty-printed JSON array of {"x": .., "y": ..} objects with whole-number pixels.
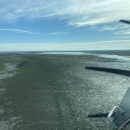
[
  {"x": 30, "y": 32},
  {"x": 120, "y": 28},
  {"x": 124, "y": 37},
  {"x": 110, "y": 27},
  {"x": 100, "y": 45},
  {"x": 18, "y": 31},
  {"x": 58, "y": 33},
  {"x": 126, "y": 32},
  {"x": 77, "y": 13}
]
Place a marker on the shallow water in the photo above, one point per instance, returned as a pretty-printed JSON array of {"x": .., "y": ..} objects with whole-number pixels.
[{"x": 61, "y": 91}]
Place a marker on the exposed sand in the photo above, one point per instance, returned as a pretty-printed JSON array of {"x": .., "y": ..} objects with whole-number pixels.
[{"x": 9, "y": 71}]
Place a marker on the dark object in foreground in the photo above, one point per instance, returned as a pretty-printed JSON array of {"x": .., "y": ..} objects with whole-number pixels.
[
  {"x": 110, "y": 70},
  {"x": 119, "y": 117},
  {"x": 125, "y": 21}
]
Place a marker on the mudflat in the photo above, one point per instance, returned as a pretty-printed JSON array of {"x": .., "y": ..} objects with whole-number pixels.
[{"x": 59, "y": 92}]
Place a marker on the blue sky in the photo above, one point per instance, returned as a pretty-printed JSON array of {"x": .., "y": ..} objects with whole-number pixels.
[{"x": 36, "y": 25}]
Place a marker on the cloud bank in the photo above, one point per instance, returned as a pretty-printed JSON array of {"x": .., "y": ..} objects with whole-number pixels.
[
  {"x": 77, "y": 13},
  {"x": 100, "y": 45}
]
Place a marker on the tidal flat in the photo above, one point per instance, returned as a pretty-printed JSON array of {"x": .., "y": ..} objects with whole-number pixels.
[{"x": 61, "y": 92}]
